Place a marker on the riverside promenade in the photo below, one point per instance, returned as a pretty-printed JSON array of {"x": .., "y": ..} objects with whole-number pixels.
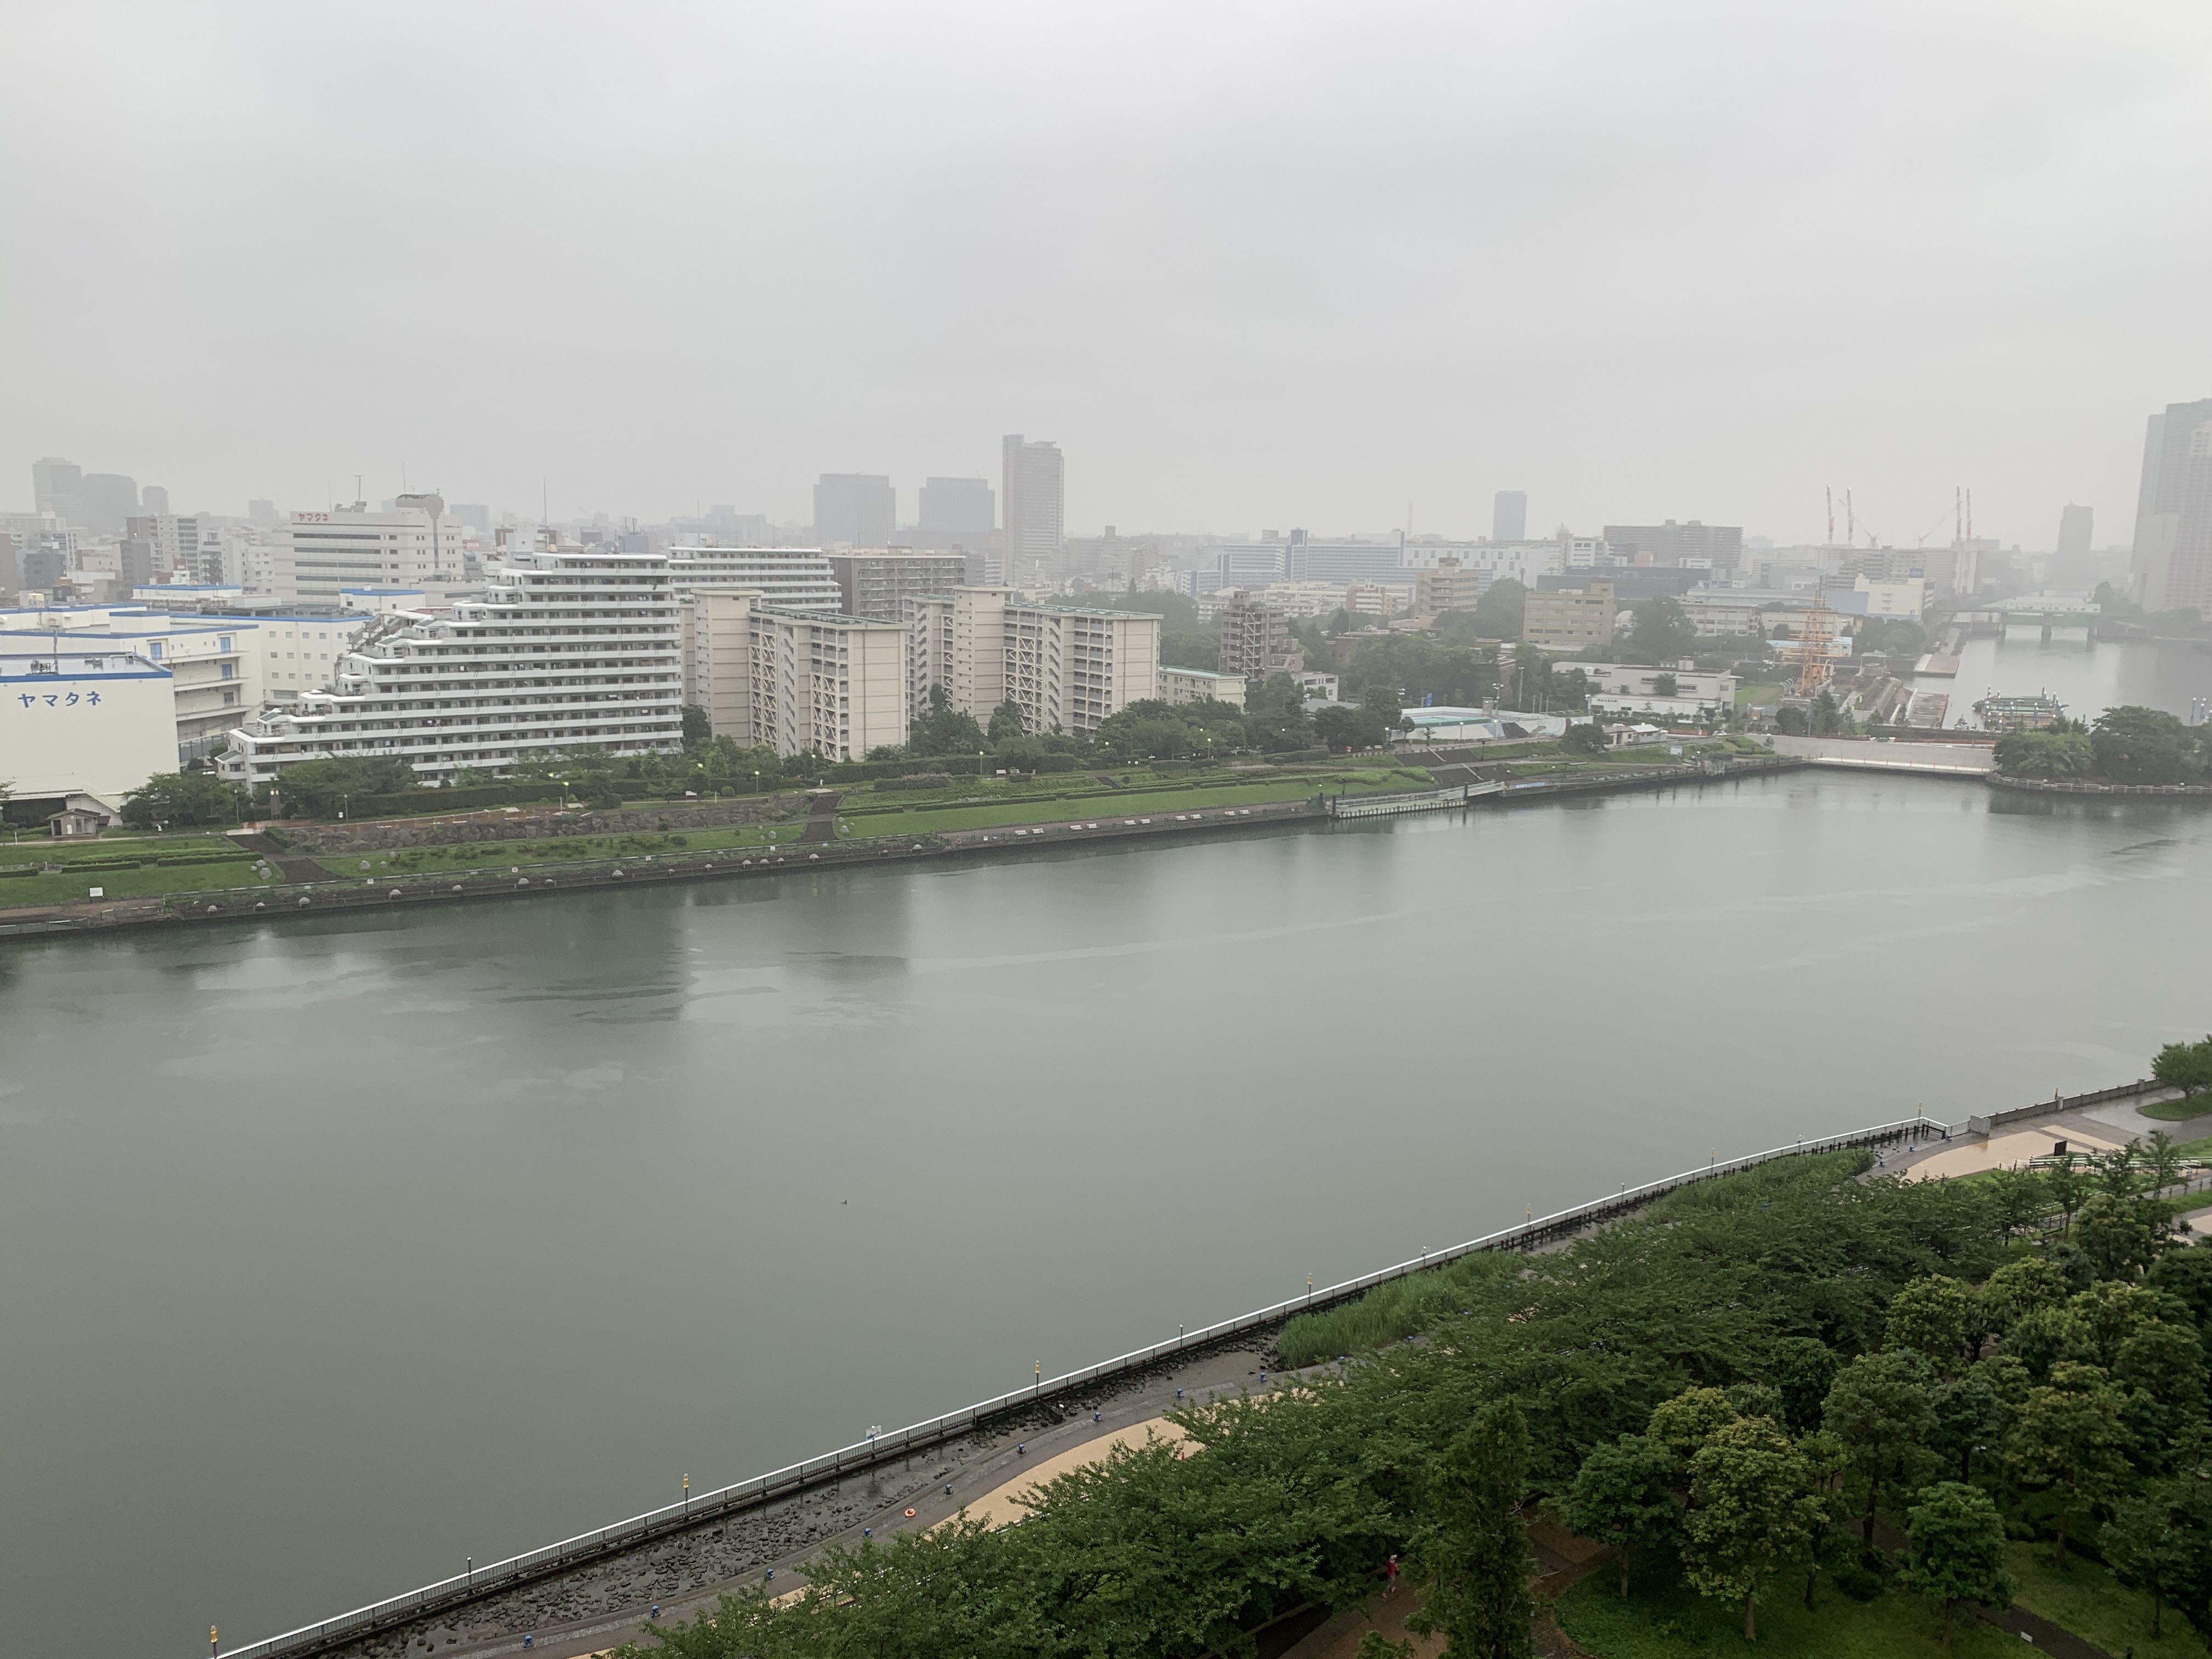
[{"x": 586, "y": 1593}]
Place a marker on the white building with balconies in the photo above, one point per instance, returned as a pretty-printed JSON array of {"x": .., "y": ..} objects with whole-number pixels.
[{"x": 568, "y": 648}]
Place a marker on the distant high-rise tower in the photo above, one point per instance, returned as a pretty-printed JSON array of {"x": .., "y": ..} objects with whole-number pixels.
[
  {"x": 854, "y": 509},
  {"x": 56, "y": 489},
  {"x": 958, "y": 505},
  {"x": 2071, "y": 565},
  {"x": 109, "y": 499},
  {"x": 1509, "y": 516},
  {"x": 154, "y": 499},
  {"x": 2075, "y": 526},
  {"x": 2172, "y": 568},
  {"x": 1034, "y": 487}
]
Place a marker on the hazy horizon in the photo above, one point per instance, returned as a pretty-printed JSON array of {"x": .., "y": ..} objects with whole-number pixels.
[{"x": 1249, "y": 267}]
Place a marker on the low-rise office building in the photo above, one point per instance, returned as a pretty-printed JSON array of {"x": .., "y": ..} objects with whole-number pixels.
[
  {"x": 318, "y": 554},
  {"x": 1632, "y": 687},
  {"x": 568, "y": 647},
  {"x": 1449, "y": 586},
  {"x": 1201, "y": 685},
  {"x": 1573, "y": 619}
]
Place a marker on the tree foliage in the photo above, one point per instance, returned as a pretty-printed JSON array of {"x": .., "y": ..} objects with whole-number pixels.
[
  {"x": 1880, "y": 1410},
  {"x": 1663, "y": 630},
  {"x": 2135, "y": 745},
  {"x": 319, "y": 788},
  {"x": 2067, "y": 1440},
  {"x": 1472, "y": 1557},
  {"x": 2184, "y": 1066},
  {"x": 1624, "y": 1496},
  {"x": 1957, "y": 1553},
  {"x": 1753, "y": 1508},
  {"x": 179, "y": 800},
  {"x": 1939, "y": 1315},
  {"x": 2056, "y": 756}
]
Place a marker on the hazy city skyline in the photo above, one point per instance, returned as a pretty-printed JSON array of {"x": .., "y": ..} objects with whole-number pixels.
[{"x": 1245, "y": 267}]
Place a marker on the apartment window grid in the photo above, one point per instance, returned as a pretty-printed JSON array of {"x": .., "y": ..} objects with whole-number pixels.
[{"x": 617, "y": 683}]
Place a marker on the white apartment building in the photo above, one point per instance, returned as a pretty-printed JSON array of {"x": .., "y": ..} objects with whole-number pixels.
[
  {"x": 1304, "y": 599},
  {"x": 415, "y": 545},
  {"x": 1201, "y": 685},
  {"x": 798, "y": 682},
  {"x": 785, "y": 578},
  {"x": 568, "y": 647},
  {"x": 1066, "y": 666}
]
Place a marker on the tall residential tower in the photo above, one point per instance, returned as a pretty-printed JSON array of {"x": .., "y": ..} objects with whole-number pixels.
[
  {"x": 1034, "y": 489},
  {"x": 2172, "y": 569}
]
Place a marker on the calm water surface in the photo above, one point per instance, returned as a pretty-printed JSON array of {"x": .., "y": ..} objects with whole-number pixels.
[
  {"x": 333, "y": 1252},
  {"x": 2088, "y": 679}
]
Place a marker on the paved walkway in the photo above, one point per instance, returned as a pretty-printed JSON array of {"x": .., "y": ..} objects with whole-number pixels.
[{"x": 985, "y": 1485}]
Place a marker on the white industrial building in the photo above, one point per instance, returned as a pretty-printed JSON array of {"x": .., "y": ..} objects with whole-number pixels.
[
  {"x": 83, "y": 726},
  {"x": 1642, "y": 689},
  {"x": 567, "y": 647}
]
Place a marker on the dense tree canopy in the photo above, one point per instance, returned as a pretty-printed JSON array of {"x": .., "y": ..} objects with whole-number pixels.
[
  {"x": 2135, "y": 745},
  {"x": 1663, "y": 630},
  {"x": 179, "y": 800}
]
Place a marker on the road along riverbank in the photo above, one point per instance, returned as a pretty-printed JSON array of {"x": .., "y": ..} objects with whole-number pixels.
[{"x": 389, "y": 892}]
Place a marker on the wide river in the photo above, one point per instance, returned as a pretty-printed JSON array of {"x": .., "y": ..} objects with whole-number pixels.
[{"x": 334, "y": 1252}]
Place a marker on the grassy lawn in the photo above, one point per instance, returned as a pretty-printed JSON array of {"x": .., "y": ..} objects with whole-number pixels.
[
  {"x": 1676, "y": 1623},
  {"x": 2084, "y": 1600},
  {"x": 141, "y": 882},
  {"x": 555, "y": 849},
  {"x": 1131, "y": 805},
  {"x": 235, "y": 869},
  {"x": 2178, "y": 1111},
  {"x": 38, "y": 849},
  {"x": 1765, "y": 695}
]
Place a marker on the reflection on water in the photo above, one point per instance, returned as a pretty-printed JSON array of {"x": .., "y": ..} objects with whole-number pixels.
[{"x": 343, "y": 1249}]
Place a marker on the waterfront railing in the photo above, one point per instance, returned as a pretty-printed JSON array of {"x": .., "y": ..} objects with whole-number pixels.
[{"x": 877, "y": 1449}]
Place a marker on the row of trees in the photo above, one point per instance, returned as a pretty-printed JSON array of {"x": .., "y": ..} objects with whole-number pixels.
[
  {"x": 2129, "y": 744},
  {"x": 1738, "y": 1386}
]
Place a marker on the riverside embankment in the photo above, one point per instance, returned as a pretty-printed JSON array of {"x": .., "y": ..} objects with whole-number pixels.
[
  {"x": 567, "y": 1597},
  {"x": 388, "y": 892}
]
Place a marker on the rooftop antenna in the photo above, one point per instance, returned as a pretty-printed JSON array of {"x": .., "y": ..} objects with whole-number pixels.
[
  {"x": 1851, "y": 519},
  {"x": 357, "y": 496},
  {"x": 1828, "y": 491},
  {"x": 1970, "y": 515}
]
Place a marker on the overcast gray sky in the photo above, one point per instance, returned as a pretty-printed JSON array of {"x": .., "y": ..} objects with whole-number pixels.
[{"x": 1256, "y": 265}]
